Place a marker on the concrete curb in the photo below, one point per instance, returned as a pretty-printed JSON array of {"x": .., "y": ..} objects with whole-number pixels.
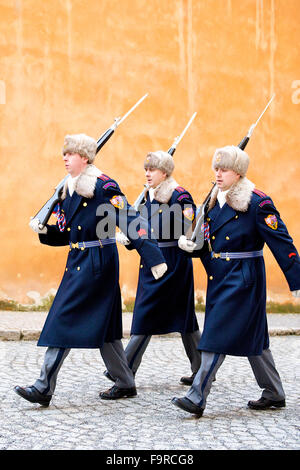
[{"x": 33, "y": 335}]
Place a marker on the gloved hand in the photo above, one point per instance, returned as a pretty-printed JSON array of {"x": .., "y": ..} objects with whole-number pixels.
[
  {"x": 296, "y": 293},
  {"x": 121, "y": 238},
  {"x": 34, "y": 225},
  {"x": 186, "y": 244},
  {"x": 159, "y": 270}
]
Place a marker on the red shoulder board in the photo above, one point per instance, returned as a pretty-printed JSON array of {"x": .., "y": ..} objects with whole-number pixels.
[
  {"x": 259, "y": 193},
  {"x": 104, "y": 177},
  {"x": 180, "y": 189}
]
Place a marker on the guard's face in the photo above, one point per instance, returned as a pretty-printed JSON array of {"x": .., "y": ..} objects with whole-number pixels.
[
  {"x": 154, "y": 176},
  {"x": 74, "y": 163},
  {"x": 225, "y": 178}
]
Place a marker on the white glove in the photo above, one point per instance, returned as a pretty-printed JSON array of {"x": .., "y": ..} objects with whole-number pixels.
[
  {"x": 34, "y": 225},
  {"x": 159, "y": 270},
  {"x": 186, "y": 244},
  {"x": 296, "y": 293},
  {"x": 121, "y": 238}
]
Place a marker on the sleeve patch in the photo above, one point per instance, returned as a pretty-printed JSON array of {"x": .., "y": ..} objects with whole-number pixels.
[
  {"x": 142, "y": 232},
  {"x": 117, "y": 201},
  {"x": 107, "y": 185},
  {"x": 271, "y": 221},
  {"x": 183, "y": 196},
  {"x": 292, "y": 254},
  {"x": 180, "y": 189},
  {"x": 263, "y": 203},
  {"x": 189, "y": 213}
]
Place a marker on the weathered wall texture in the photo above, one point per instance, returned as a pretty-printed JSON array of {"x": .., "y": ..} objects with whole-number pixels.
[{"x": 69, "y": 66}]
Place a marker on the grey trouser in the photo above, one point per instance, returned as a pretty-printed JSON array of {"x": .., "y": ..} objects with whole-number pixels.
[
  {"x": 113, "y": 357},
  {"x": 263, "y": 368},
  {"x": 138, "y": 344}
]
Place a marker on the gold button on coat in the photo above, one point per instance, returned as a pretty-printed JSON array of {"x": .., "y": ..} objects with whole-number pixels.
[
  {"x": 236, "y": 217},
  {"x": 227, "y": 238},
  {"x": 141, "y": 266},
  {"x": 84, "y": 204},
  {"x": 213, "y": 237},
  {"x": 78, "y": 268},
  {"x": 211, "y": 278},
  {"x": 68, "y": 229},
  {"x": 79, "y": 228},
  {"x": 227, "y": 259}
]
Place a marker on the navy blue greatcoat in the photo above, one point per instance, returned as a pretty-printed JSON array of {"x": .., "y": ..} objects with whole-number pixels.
[
  {"x": 86, "y": 311},
  {"x": 167, "y": 305},
  {"x": 235, "y": 317}
]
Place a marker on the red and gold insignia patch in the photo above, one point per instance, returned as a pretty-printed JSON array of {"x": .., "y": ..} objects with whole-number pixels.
[
  {"x": 189, "y": 213},
  {"x": 117, "y": 201},
  {"x": 271, "y": 221},
  {"x": 142, "y": 232}
]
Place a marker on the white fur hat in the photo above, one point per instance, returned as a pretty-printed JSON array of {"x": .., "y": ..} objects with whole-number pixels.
[
  {"x": 231, "y": 157},
  {"x": 161, "y": 160},
  {"x": 80, "y": 143}
]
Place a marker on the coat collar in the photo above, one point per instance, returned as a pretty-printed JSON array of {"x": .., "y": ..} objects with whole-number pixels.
[
  {"x": 163, "y": 192},
  {"x": 238, "y": 197},
  {"x": 85, "y": 184}
]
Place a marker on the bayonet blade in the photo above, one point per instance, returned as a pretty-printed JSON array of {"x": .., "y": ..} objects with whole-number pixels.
[
  {"x": 250, "y": 132},
  {"x": 178, "y": 139},
  {"x": 118, "y": 122}
]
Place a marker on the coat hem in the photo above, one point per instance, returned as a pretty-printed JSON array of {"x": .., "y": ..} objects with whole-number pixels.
[
  {"x": 50, "y": 345},
  {"x": 163, "y": 332}
]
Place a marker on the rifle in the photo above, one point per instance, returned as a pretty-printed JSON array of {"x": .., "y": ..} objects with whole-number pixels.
[
  {"x": 171, "y": 151},
  {"x": 45, "y": 212},
  {"x": 195, "y": 232}
]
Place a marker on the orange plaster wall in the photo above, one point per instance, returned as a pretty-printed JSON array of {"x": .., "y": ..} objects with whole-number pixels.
[{"x": 69, "y": 66}]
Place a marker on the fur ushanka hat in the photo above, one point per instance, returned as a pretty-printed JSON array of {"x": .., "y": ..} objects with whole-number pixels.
[
  {"x": 161, "y": 160},
  {"x": 80, "y": 143},
  {"x": 231, "y": 158}
]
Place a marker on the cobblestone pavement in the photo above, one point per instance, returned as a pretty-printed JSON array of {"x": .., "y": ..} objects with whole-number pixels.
[{"x": 78, "y": 419}]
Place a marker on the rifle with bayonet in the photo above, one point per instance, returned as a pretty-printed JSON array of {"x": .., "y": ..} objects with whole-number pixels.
[
  {"x": 45, "y": 212},
  {"x": 171, "y": 151},
  {"x": 196, "y": 232}
]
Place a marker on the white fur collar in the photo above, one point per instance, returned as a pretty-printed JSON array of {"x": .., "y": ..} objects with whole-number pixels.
[
  {"x": 86, "y": 182},
  {"x": 238, "y": 196},
  {"x": 163, "y": 192}
]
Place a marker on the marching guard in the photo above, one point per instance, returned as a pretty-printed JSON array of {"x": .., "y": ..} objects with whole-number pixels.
[
  {"x": 86, "y": 311},
  {"x": 166, "y": 305},
  {"x": 240, "y": 220}
]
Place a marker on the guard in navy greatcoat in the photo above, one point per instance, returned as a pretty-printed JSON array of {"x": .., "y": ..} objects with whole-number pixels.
[
  {"x": 167, "y": 305},
  {"x": 241, "y": 219},
  {"x": 86, "y": 312}
]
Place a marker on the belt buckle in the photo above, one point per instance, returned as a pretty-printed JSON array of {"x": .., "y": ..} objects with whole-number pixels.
[
  {"x": 216, "y": 255},
  {"x": 75, "y": 245}
]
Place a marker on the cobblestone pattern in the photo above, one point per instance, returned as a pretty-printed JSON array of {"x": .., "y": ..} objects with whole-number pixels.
[{"x": 78, "y": 419}]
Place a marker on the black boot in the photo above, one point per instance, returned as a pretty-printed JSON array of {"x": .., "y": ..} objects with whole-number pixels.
[
  {"x": 115, "y": 392},
  {"x": 265, "y": 403},
  {"x": 33, "y": 395}
]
